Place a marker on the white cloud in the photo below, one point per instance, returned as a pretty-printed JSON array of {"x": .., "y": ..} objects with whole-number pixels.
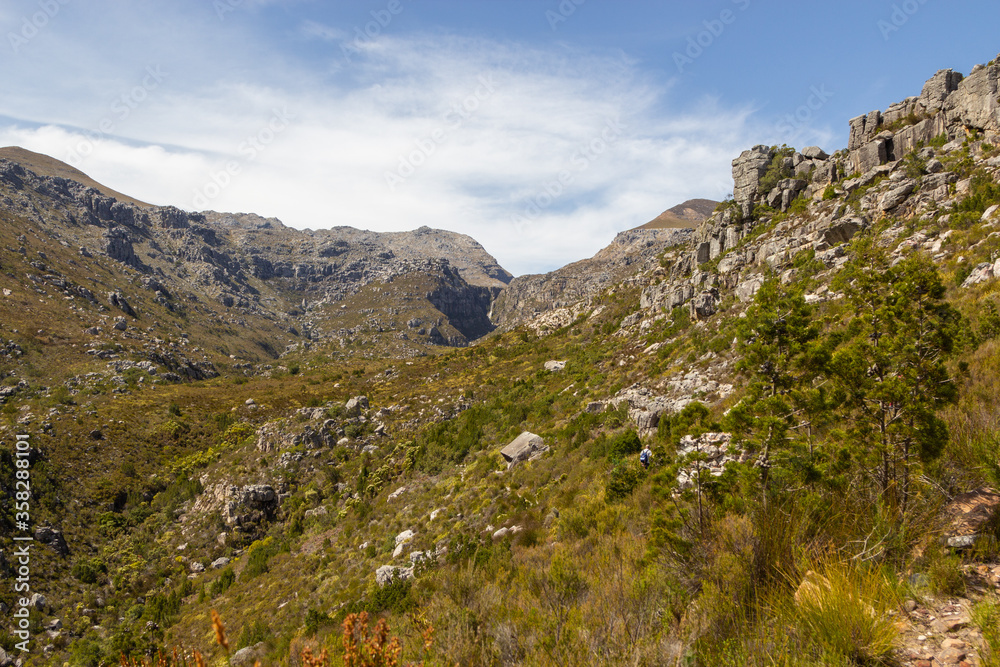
[{"x": 493, "y": 126}]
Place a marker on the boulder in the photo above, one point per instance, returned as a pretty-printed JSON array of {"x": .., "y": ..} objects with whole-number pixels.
[
  {"x": 521, "y": 448},
  {"x": 843, "y": 230},
  {"x": 897, "y": 195},
  {"x": 703, "y": 305},
  {"x": 553, "y": 366},
  {"x": 53, "y": 539},
  {"x": 240, "y": 506},
  {"x": 814, "y": 153},
  {"x": 248, "y": 655},
  {"x": 870, "y": 155},
  {"x": 748, "y": 169},
  {"x": 863, "y": 130},
  {"x": 980, "y": 274},
  {"x": 117, "y": 299},
  {"x": 220, "y": 563},
  {"x": 356, "y": 405},
  {"x": 387, "y": 574}
]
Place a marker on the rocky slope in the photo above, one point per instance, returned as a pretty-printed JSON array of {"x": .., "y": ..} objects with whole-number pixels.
[
  {"x": 433, "y": 286},
  {"x": 631, "y": 252}
]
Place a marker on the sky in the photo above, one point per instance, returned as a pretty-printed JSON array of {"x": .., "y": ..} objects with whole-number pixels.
[{"x": 539, "y": 127}]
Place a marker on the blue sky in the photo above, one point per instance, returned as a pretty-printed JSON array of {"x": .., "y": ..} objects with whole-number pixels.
[{"x": 539, "y": 127}]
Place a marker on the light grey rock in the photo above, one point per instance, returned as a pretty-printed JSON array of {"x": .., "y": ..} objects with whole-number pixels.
[
  {"x": 815, "y": 153},
  {"x": 355, "y": 405},
  {"x": 196, "y": 567},
  {"x": 937, "y": 89},
  {"x": 863, "y": 130},
  {"x": 980, "y": 274},
  {"x": 220, "y": 563},
  {"x": 521, "y": 448},
  {"x": 748, "y": 287},
  {"x": 897, "y": 195},
  {"x": 248, "y": 655},
  {"x": 748, "y": 169},
  {"x": 553, "y": 366},
  {"x": 974, "y": 103},
  {"x": 703, "y": 305},
  {"x": 387, "y": 574},
  {"x": 239, "y": 505},
  {"x": 869, "y": 155}
]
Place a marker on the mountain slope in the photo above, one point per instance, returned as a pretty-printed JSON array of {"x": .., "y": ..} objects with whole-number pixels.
[
  {"x": 744, "y": 352},
  {"x": 689, "y": 214}
]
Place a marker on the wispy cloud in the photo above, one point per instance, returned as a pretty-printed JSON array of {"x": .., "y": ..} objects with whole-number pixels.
[{"x": 352, "y": 125}]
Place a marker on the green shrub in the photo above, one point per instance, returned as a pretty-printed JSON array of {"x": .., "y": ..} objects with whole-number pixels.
[
  {"x": 624, "y": 477},
  {"x": 88, "y": 570},
  {"x": 222, "y": 584},
  {"x": 624, "y": 444},
  {"x": 395, "y": 597},
  {"x": 315, "y": 619},
  {"x": 252, "y": 633}
]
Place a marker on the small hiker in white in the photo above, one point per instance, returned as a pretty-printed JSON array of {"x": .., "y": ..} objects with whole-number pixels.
[{"x": 645, "y": 456}]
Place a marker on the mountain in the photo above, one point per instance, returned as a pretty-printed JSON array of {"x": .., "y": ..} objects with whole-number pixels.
[
  {"x": 689, "y": 214},
  {"x": 242, "y": 440},
  {"x": 631, "y": 252},
  {"x": 84, "y": 242}
]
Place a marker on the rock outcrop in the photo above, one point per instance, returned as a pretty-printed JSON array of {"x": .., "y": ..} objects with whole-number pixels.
[{"x": 631, "y": 253}]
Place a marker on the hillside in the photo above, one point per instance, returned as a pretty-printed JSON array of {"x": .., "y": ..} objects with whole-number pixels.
[
  {"x": 689, "y": 214},
  {"x": 278, "y": 435}
]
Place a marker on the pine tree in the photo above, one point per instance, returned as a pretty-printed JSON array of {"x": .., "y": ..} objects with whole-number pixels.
[
  {"x": 777, "y": 343},
  {"x": 891, "y": 365}
]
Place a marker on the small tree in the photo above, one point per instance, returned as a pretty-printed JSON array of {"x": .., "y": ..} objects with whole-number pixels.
[
  {"x": 779, "y": 359},
  {"x": 891, "y": 365}
]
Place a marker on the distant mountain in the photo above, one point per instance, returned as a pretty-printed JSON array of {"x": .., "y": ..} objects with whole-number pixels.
[
  {"x": 378, "y": 291},
  {"x": 43, "y": 165},
  {"x": 688, "y": 215}
]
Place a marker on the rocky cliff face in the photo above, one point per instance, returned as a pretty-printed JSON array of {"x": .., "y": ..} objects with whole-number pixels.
[
  {"x": 249, "y": 267},
  {"x": 887, "y": 169}
]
